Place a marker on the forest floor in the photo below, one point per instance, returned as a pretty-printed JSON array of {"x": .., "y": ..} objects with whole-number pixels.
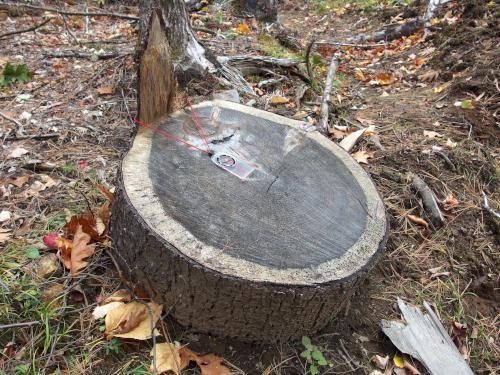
[{"x": 434, "y": 103}]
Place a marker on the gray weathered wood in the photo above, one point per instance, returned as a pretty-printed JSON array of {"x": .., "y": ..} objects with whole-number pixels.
[
  {"x": 424, "y": 338},
  {"x": 324, "y": 109},
  {"x": 273, "y": 255},
  {"x": 428, "y": 200}
]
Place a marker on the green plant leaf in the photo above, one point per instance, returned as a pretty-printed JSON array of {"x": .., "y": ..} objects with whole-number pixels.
[
  {"x": 467, "y": 104},
  {"x": 313, "y": 370},
  {"x": 11, "y": 75},
  {"x": 316, "y": 59},
  {"x": 306, "y": 341},
  {"x": 318, "y": 356},
  {"x": 32, "y": 252},
  {"x": 306, "y": 354}
]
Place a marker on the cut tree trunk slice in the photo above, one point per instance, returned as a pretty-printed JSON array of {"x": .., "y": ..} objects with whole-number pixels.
[{"x": 269, "y": 245}]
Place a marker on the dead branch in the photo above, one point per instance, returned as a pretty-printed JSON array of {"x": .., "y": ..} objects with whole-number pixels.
[
  {"x": 428, "y": 200},
  {"x": 33, "y": 28},
  {"x": 324, "y": 109},
  {"x": 346, "y": 44},
  {"x": 83, "y": 55},
  {"x": 19, "y": 325},
  {"x": 36, "y": 137},
  {"x": 308, "y": 62},
  {"x": 70, "y": 13},
  {"x": 488, "y": 208},
  {"x": 12, "y": 120}
]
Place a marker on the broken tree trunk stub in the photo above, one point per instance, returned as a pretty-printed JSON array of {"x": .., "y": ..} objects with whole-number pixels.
[{"x": 272, "y": 254}]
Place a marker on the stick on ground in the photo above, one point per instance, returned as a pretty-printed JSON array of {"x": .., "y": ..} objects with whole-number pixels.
[
  {"x": 324, "y": 110},
  {"x": 33, "y": 28},
  {"x": 428, "y": 200}
]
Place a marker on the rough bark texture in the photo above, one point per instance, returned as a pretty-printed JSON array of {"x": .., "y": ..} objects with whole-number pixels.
[
  {"x": 215, "y": 303},
  {"x": 156, "y": 74},
  {"x": 188, "y": 55}
]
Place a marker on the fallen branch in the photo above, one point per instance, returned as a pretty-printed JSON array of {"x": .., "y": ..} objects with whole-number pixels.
[
  {"x": 391, "y": 32},
  {"x": 324, "y": 109},
  {"x": 347, "y": 44},
  {"x": 69, "y": 13},
  {"x": 35, "y": 137},
  {"x": 308, "y": 62},
  {"x": 33, "y": 28},
  {"x": 424, "y": 338},
  {"x": 428, "y": 200},
  {"x": 82, "y": 55},
  {"x": 12, "y": 120}
]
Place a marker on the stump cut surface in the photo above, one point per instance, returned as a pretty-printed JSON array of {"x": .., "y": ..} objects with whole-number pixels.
[{"x": 307, "y": 216}]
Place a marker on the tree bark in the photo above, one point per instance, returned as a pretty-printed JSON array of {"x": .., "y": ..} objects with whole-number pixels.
[{"x": 188, "y": 55}]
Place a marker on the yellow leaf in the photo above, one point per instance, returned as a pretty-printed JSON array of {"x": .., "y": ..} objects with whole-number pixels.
[
  {"x": 101, "y": 311},
  {"x": 359, "y": 75},
  {"x": 133, "y": 321},
  {"x": 243, "y": 28},
  {"x": 363, "y": 156},
  {"x": 399, "y": 361},
  {"x": 439, "y": 89},
  {"x": 167, "y": 358},
  {"x": 276, "y": 99}
]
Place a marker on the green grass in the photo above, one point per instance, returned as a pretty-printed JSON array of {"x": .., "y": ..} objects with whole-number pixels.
[{"x": 271, "y": 47}]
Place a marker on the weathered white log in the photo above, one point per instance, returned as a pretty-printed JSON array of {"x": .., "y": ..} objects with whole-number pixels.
[
  {"x": 324, "y": 109},
  {"x": 425, "y": 339}
]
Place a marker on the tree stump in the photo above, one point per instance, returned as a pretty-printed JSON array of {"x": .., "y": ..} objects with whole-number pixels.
[{"x": 265, "y": 238}]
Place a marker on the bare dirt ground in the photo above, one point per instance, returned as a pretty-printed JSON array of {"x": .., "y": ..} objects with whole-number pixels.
[{"x": 434, "y": 103}]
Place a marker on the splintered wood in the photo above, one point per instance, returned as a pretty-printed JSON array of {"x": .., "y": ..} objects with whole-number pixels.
[
  {"x": 424, "y": 338},
  {"x": 156, "y": 75}
]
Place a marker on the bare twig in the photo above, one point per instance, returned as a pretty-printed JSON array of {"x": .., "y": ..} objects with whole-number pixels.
[
  {"x": 87, "y": 14},
  {"x": 83, "y": 55},
  {"x": 11, "y": 119},
  {"x": 346, "y": 44},
  {"x": 32, "y": 28},
  {"x": 428, "y": 200},
  {"x": 308, "y": 62},
  {"x": 488, "y": 208},
  {"x": 36, "y": 137},
  {"x": 324, "y": 109},
  {"x": 19, "y": 325}
]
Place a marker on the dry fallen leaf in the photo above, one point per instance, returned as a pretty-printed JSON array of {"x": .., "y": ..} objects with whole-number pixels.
[
  {"x": 167, "y": 358},
  {"x": 51, "y": 294},
  {"x": 380, "y": 362},
  {"x": 106, "y": 90},
  {"x": 133, "y": 321},
  {"x": 101, "y": 311},
  {"x": 73, "y": 254},
  {"x": 210, "y": 364},
  {"x": 243, "y": 28},
  {"x": 450, "y": 144},
  {"x": 276, "y": 99},
  {"x": 17, "y": 181},
  {"x": 432, "y": 134},
  {"x": 418, "y": 220},
  {"x": 43, "y": 266},
  {"x": 383, "y": 79},
  {"x": 362, "y": 156},
  {"x": 451, "y": 200},
  {"x": 17, "y": 153},
  {"x": 5, "y": 216},
  {"x": 429, "y": 76},
  {"x": 5, "y": 234},
  {"x": 121, "y": 295}
]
